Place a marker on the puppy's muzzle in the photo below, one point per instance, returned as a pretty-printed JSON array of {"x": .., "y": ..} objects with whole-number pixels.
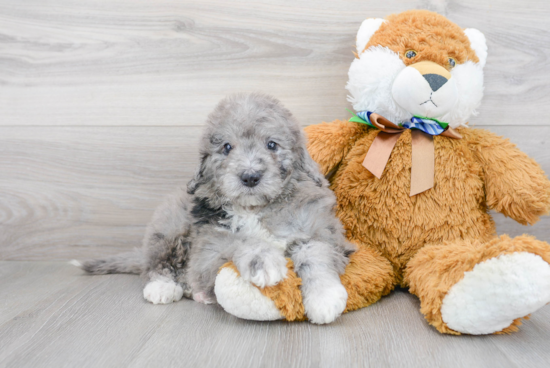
[{"x": 251, "y": 179}]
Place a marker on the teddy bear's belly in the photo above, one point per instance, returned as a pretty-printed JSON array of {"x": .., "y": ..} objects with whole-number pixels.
[{"x": 381, "y": 214}]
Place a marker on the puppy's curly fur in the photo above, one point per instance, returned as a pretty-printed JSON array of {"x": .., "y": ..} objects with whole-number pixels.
[{"x": 256, "y": 198}]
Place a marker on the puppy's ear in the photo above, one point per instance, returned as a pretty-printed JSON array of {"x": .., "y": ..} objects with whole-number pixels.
[
  {"x": 306, "y": 164},
  {"x": 198, "y": 179}
]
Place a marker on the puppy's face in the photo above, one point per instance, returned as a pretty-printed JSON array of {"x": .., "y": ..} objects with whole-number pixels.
[
  {"x": 251, "y": 148},
  {"x": 253, "y": 157}
]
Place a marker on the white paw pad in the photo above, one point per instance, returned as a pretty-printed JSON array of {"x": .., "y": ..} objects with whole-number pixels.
[
  {"x": 162, "y": 291},
  {"x": 327, "y": 304},
  {"x": 241, "y": 299},
  {"x": 496, "y": 292},
  {"x": 202, "y": 298}
]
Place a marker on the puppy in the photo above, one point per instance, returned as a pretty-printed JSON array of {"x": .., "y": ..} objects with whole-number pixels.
[{"x": 256, "y": 198}]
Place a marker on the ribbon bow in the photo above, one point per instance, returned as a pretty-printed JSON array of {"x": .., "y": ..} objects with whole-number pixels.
[{"x": 422, "y": 132}]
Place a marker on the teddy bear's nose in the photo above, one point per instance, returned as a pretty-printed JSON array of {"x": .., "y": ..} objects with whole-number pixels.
[{"x": 435, "y": 81}]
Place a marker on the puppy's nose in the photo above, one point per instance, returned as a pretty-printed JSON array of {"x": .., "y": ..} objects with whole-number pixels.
[
  {"x": 435, "y": 81},
  {"x": 251, "y": 179}
]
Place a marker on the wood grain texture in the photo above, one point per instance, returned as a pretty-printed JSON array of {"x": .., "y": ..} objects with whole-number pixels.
[
  {"x": 53, "y": 316},
  {"x": 79, "y": 192},
  {"x": 166, "y": 62},
  {"x": 101, "y": 104}
]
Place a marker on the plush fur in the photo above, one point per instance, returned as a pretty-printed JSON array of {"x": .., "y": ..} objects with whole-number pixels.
[
  {"x": 287, "y": 213},
  {"x": 438, "y": 241},
  {"x": 383, "y": 62},
  {"x": 438, "y": 268},
  {"x": 434, "y": 238}
]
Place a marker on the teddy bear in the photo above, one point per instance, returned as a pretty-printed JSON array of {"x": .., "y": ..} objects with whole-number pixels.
[{"x": 414, "y": 185}]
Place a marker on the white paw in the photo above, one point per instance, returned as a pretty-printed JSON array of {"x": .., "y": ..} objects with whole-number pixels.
[
  {"x": 496, "y": 292},
  {"x": 264, "y": 271},
  {"x": 326, "y": 304},
  {"x": 241, "y": 299},
  {"x": 162, "y": 291},
  {"x": 202, "y": 298}
]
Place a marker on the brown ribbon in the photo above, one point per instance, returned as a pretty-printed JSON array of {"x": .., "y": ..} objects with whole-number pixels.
[{"x": 423, "y": 159}]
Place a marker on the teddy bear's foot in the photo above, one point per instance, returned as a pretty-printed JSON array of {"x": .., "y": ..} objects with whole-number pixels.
[
  {"x": 245, "y": 300},
  {"x": 497, "y": 292},
  {"x": 242, "y": 299},
  {"x": 368, "y": 276},
  {"x": 478, "y": 288}
]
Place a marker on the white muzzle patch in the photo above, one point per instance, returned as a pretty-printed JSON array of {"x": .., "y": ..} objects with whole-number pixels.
[{"x": 426, "y": 90}]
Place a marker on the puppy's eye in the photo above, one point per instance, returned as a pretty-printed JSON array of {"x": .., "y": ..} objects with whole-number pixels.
[
  {"x": 272, "y": 145},
  {"x": 452, "y": 62},
  {"x": 410, "y": 54},
  {"x": 226, "y": 148}
]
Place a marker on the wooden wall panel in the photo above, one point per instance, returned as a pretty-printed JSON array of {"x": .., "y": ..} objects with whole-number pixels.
[
  {"x": 69, "y": 191},
  {"x": 78, "y": 192},
  {"x": 167, "y": 62},
  {"x": 101, "y": 102}
]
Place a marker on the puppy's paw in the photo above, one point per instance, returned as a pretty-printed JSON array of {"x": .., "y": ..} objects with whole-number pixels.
[
  {"x": 264, "y": 271},
  {"x": 162, "y": 291},
  {"x": 325, "y": 304},
  {"x": 202, "y": 297}
]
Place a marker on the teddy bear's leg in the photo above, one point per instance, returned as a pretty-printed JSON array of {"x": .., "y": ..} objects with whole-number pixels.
[
  {"x": 245, "y": 300},
  {"x": 368, "y": 276},
  {"x": 481, "y": 288}
]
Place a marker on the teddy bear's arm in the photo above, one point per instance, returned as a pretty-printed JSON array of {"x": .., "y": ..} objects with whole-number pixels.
[
  {"x": 515, "y": 184},
  {"x": 329, "y": 143}
]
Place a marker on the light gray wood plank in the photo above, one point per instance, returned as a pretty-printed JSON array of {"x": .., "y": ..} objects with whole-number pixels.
[
  {"x": 80, "y": 192},
  {"x": 103, "y": 321},
  {"x": 136, "y": 62}
]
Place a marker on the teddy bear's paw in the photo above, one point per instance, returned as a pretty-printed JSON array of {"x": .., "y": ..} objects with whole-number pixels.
[
  {"x": 242, "y": 299},
  {"x": 263, "y": 271},
  {"x": 496, "y": 292},
  {"x": 325, "y": 304},
  {"x": 162, "y": 291}
]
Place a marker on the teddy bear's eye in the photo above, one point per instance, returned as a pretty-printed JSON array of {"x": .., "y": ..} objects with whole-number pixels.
[
  {"x": 410, "y": 54},
  {"x": 452, "y": 62}
]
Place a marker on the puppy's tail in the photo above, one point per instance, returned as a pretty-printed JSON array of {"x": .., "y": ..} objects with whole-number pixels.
[{"x": 131, "y": 262}]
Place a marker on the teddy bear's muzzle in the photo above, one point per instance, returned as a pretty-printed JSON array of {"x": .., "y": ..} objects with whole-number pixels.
[{"x": 425, "y": 89}]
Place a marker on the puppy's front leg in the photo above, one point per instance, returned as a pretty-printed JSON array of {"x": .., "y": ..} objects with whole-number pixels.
[
  {"x": 262, "y": 264},
  {"x": 319, "y": 265}
]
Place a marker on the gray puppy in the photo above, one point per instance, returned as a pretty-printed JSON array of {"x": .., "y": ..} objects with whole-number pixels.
[{"x": 256, "y": 198}]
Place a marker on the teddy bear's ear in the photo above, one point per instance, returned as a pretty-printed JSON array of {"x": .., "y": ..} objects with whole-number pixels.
[
  {"x": 478, "y": 44},
  {"x": 367, "y": 29}
]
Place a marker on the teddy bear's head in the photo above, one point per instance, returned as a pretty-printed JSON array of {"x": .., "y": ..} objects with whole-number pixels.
[{"x": 418, "y": 63}]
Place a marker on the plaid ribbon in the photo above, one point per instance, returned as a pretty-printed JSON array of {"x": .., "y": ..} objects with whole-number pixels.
[
  {"x": 427, "y": 125},
  {"x": 423, "y": 156}
]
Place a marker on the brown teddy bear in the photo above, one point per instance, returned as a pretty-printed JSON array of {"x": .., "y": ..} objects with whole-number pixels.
[{"x": 414, "y": 186}]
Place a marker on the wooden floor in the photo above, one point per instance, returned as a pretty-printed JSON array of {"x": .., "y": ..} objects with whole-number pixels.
[{"x": 51, "y": 315}]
